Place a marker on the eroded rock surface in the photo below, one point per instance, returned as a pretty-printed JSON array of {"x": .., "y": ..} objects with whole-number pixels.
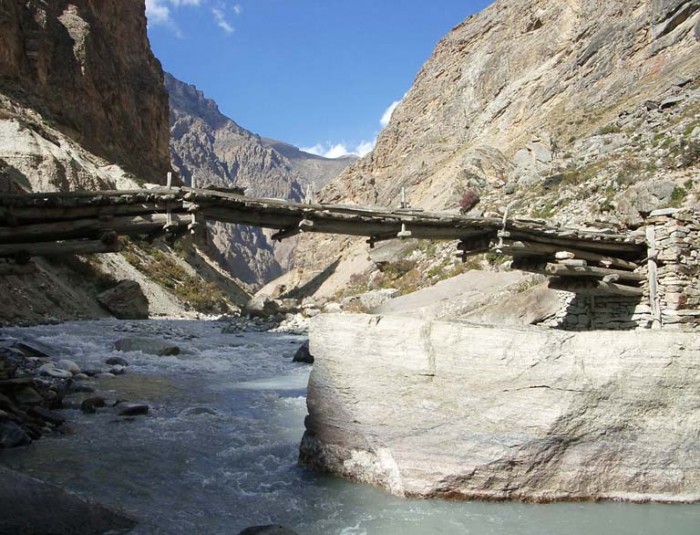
[{"x": 438, "y": 409}]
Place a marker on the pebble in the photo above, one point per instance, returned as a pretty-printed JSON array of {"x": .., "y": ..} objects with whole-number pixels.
[
  {"x": 78, "y": 387},
  {"x": 51, "y": 371},
  {"x": 116, "y": 361},
  {"x": 68, "y": 365},
  {"x": 48, "y": 416},
  {"x": 90, "y": 405},
  {"x": 28, "y": 396},
  {"x": 12, "y": 435},
  {"x": 132, "y": 409}
]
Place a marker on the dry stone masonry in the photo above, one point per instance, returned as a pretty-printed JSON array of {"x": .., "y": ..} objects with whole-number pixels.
[{"x": 677, "y": 239}]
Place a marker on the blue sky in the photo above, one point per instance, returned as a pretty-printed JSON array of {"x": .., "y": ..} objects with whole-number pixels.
[{"x": 320, "y": 74}]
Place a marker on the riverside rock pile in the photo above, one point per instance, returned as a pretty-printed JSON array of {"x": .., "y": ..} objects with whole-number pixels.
[
  {"x": 35, "y": 383},
  {"x": 30, "y": 390}
]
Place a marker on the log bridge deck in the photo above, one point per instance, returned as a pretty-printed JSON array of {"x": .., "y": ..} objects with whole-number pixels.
[{"x": 45, "y": 224}]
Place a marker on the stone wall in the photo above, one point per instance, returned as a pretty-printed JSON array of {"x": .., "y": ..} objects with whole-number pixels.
[
  {"x": 673, "y": 249},
  {"x": 676, "y": 242},
  {"x": 442, "y": 409}
]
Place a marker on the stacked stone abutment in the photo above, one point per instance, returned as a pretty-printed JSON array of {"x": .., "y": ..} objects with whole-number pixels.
[{"x": 676, "y": 243}]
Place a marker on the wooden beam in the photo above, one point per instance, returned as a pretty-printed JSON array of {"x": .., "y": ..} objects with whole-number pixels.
[
  {"x": 652, "y": 274},
  {"x": 516, "y": 247},
  {"x": 594, "y": 287},
  {"x": 601, "y": 245},
  {"x": 561, "y": 270},
  {"x": 76, "y": 247},
  {"x": 90, "y": 228}
]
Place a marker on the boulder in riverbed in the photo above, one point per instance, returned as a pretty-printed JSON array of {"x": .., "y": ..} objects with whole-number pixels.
[
  {"x": 126, "y": 301},
  {"x": 11, "y": 436},
  {"x": 147, "y": 345},
  {"x": 28, "y": 505},
  {"x": 132, "y": 409}
]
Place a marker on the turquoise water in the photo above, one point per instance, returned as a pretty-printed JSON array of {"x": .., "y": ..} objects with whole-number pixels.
[{"x": 218, "y": 452}]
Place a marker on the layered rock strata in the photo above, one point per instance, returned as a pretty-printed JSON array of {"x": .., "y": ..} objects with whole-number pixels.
[
  {"x": 452, "y": 410},
  {"x": 572, "y": 111}
]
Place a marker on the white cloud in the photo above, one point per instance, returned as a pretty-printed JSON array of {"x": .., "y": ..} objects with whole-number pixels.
[
  {"x": 386, "y": 116},
  {"x": 160, "y": 12},
  {"x": 338, "y": 150},
  {"x": 221, "y": 21},
  {"x": 157, "y": 12}
]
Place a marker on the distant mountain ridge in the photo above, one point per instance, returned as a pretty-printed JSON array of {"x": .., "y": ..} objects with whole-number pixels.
[{"x": 212, "y": 149}]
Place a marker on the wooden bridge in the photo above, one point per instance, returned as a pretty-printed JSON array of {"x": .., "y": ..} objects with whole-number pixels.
[{"x": 46, "y": 224}]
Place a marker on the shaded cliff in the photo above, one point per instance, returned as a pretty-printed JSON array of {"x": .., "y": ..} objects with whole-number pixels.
[
  {"x": 83, "y": 107},
  {"x": 87, "y": 68}
]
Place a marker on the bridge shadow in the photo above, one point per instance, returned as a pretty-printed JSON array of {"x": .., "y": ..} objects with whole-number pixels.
[
  {"x": 591, "y": 313},
  {"x": 313, "y": 285},
  {"x": 12, "y": 180}
]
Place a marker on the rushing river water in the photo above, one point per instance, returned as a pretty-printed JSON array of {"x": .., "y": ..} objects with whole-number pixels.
[{"x": 218, "y": 451}]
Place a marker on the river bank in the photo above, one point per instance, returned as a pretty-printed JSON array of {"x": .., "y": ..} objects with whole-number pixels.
[
  {"x": 441, "y": 409},
  {"x": 218, "y": 450}
]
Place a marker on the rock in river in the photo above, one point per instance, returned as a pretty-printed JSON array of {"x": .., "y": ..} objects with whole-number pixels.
[
  {"x": 132, "y": 409},
  {"x": 303, "y": 354}
]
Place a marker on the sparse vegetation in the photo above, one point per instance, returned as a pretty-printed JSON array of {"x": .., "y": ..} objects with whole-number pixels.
[
  {"x": 194, "y": 291},
  {"x": 609, "y": 129},
  {"x": 678, "y": 197}
]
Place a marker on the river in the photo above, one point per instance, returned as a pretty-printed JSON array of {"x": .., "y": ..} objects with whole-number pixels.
[{"x": 218, "y": 450}]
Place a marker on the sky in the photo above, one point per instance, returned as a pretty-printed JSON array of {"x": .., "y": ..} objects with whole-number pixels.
[{"x": 323, "y": 75}]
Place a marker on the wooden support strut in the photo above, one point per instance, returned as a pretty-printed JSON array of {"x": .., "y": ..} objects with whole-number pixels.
[
  {"x": 562, "y": 270},
  {"x": 293, "y": 230},
  {"x": 594, "y": 287},
  {"x": 527, "y": 248}
]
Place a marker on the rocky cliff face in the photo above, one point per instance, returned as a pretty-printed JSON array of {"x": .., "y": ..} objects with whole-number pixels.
[
  {"x": 83, "y": 107},
  {"x": 451, "y": 410},
  {"x": 210, "y": 149},
  {"x": 87, "y": 68},
  {"x": 577, "y": 110}
]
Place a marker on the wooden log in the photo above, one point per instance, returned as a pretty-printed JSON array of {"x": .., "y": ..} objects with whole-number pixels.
[
  {"x": 543, "y": 249},
  {"x": 89, "y": 228},
  {"x": 573, "y": 262},
  {"x": 652, "y": 280},
  {"x": 29, "y": 215},
  {"x": 594, "y": 287},
  {"x": 10, "y": 268},
  {"x": 560, "y": 270},
  {"x": 600, "y": 246},
  {"x": 75, "y": 247}
]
